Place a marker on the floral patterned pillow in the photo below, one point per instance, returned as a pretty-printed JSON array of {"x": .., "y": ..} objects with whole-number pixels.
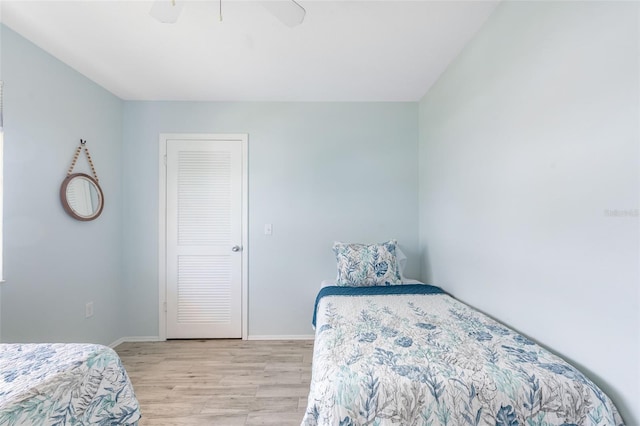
[{"x": 362, "y": 265}]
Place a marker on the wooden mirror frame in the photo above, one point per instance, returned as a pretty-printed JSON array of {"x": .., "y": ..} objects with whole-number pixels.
[{"x": 65, "y": 202}]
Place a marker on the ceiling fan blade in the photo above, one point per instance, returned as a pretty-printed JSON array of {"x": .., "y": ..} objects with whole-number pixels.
[
  {"x": 289, "y": 11},
  {"x": 166, "y": 11}
]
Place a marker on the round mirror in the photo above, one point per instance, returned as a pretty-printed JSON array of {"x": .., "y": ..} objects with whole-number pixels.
[{"x": 81, "y": 197}]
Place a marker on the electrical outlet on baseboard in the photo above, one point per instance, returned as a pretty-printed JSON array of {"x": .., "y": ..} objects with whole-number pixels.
[{"x": 88, "y": 310}]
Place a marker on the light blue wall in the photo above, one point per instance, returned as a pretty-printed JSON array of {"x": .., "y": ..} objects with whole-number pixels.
[
  {"x": 53, "y": 263},
  {"x": 526, "y": 142},
  {"x": 317, "y": 171}
]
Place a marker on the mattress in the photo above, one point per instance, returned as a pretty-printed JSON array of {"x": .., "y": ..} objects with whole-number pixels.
[
  {"x": 413, "y": 355},
  {"x": 60, "y": 384}
]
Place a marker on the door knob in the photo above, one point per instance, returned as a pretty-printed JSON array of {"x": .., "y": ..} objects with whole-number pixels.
[{"x": 236, "y": 248}]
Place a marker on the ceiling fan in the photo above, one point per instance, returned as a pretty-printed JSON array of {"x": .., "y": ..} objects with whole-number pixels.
[{"x": 288, "y": 11}]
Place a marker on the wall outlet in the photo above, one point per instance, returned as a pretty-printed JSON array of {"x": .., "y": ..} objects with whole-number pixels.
[{"x": 88, "y": 310}]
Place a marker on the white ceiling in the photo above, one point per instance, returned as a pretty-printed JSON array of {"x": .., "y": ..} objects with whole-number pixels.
[{"x": 344, "y": 50}]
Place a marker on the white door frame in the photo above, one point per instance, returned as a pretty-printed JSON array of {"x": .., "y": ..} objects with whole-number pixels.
[{"x": 242, "y": 138}]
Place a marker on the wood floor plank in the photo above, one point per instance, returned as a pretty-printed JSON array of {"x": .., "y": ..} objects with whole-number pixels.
[
  {"x": 283, "y": 391},
  {"x": 219, "y": 382},
  {"x": 197, "y": 420}
]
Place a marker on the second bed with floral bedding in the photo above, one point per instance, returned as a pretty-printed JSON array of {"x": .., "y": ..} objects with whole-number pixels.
[
  {"x": 64, "y": 384},
  {"x": 413, "y": 355}
]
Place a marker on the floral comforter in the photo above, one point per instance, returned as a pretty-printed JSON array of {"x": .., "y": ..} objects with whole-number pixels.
[
  {"x": 427, "y": 359},
  {"x": 64, "y": 384}
]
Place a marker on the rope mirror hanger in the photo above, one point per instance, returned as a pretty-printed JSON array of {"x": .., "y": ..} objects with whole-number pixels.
[{"x": 80, "y": 194}]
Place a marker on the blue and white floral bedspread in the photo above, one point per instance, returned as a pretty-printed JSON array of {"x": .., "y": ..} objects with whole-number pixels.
[
  {"x": 64, "y": 384},
  {"x": 431, "y": 360}
]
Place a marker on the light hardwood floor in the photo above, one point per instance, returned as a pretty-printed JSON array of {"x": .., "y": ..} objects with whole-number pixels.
[{"x": 219, "y": 382}]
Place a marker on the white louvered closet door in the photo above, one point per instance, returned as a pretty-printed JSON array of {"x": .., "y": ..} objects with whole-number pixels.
[{"x": 204, "y": 223}]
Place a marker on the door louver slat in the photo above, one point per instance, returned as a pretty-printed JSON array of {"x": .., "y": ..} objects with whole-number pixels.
[
  {"x": 204, "y": 198},
  {"x": 204, "y": 291}
]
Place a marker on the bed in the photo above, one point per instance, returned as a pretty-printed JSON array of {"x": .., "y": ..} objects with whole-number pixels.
[
  {"x": 64, "y": 384},
  {"x": 414, "y": 355}
]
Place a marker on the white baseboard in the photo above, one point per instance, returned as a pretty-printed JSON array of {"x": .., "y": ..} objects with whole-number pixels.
[
  {"x": 251, "y": 337},
  {"x": 134, "y": 339},
  {"x": 282, "y": 337}
]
